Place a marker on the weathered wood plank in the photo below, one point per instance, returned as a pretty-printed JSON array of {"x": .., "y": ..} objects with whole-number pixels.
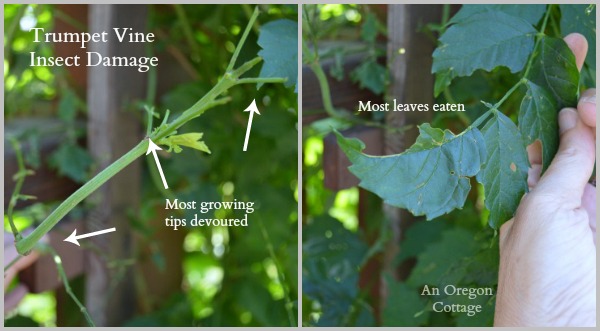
[
  {"x": 112, "y": 131},
  {"x": 335, "y": 162},
  {"x": 411, "y": 82}
]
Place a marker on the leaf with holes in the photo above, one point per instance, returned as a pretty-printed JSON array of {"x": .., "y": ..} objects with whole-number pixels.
[
  {"x": 555, "y": 70},
  {"x": 538, "y": 120},
  {"x": 504, "y": 174},
  {"x": 474, "y": 43},
  {"x": 431, "y": 178}
]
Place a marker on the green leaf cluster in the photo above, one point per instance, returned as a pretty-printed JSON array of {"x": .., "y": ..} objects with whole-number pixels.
[{"x": 431, "y": 178}]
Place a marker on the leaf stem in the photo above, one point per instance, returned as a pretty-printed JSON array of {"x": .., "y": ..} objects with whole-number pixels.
[
  {"x": 280, "y": 274},
  {"x": 187, "y": 29},
  {"x": 243, "y": 40},
  {"x": 261, "y": 80},
  {"x": 537, "y": 41},
  {"x": 508, "y": 93},
  {"x": 20, "y": 178},
  {"x": 63, "y": 276}
]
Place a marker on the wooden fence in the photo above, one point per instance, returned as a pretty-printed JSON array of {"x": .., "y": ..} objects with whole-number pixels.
[{"x": 411, "y": 81}]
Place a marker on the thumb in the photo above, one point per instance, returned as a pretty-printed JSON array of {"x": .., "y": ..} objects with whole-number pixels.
[{"x": 573, "y": 164}]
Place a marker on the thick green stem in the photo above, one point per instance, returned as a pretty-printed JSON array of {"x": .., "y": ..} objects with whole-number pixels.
[
  {"x": 211, "y": 99},
  {"x": 25, "y": 245},
  {"x": 261, "y": 80}
]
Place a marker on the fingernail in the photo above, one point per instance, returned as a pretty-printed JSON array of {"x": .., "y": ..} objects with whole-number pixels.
[
  {"x": 588, "y": 99},
  {"x": 567, "y": 119}
]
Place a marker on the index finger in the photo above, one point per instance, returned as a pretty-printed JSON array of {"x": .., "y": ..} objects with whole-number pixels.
[{"x": 579, "y": 46}]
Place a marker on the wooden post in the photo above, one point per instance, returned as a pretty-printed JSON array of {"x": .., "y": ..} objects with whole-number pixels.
[
  {"x": 113, "y": 129},
  {"x": 409, "y": 60}
]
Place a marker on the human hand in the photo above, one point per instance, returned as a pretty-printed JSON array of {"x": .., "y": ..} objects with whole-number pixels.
[{"x": 547, "y": 252}]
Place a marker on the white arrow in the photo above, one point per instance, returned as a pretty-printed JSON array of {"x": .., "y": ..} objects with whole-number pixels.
[
  {"x": 73, "y": 237},
  {"x": 252, "y": 109},
  {"x": 153, "y": 148}
]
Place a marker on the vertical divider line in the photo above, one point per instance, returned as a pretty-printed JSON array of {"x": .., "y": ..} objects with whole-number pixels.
[{"x": 299, "y": 180}]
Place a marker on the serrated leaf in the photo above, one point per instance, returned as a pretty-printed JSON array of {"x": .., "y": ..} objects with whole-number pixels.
[
  {"x": 191, "y": 140},
  {"x": 429, "y": 179},
  {"x": 72, "y": 161},
  {"x": 402, "y": 305},
  {"x": 577, "y": 18},
  {"x": 368, "y": 31},
  {"x": 279, "y": 42},
  {"x": 530, "y": 13},
  {"x": 370, "y": 75},
  {"x": 504, "y": 174},
  {"x": 554, "y": 69},
  {"x": 538, "y": 120},
  {"x": 67, "y": 107},
  {"x": 484, "y": 41}
]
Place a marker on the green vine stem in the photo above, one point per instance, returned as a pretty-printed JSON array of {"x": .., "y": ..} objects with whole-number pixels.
[
  {"x": 44, "y": 248},
  {"x": 16, "y": 195},
  {"x": 280, "y": 275},
  {"x": 209, "y": 100},
  {"x": 25, "y": 245}
]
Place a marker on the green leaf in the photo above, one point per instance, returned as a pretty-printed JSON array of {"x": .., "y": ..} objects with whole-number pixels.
[
  {"x": 554, "y": 69},
  {"x": 337, "y": 69},
  {"x": 577, "y": 18},
  {"x": 438, "y": 258},
  {"x": 484, "y": 41},
  {"x": 279, "y": 42},
  {"x": 504, "y": 175},
  {"x": 530, "y": 13},
  {"x": 191, "y": 140},
  {"x": 431, "y": 178},
  {"x": 538, "y": 120},
  {"x": 67, "y": 107},
  {"x": 331, "y": 259},
  {"x": 371, "y": 75},
  {"x": 403, "y": 305},
  {"x": 442, "y": 80},
  {"x": 368, "y": 32},
  {"x": 72, "y": 161}
]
